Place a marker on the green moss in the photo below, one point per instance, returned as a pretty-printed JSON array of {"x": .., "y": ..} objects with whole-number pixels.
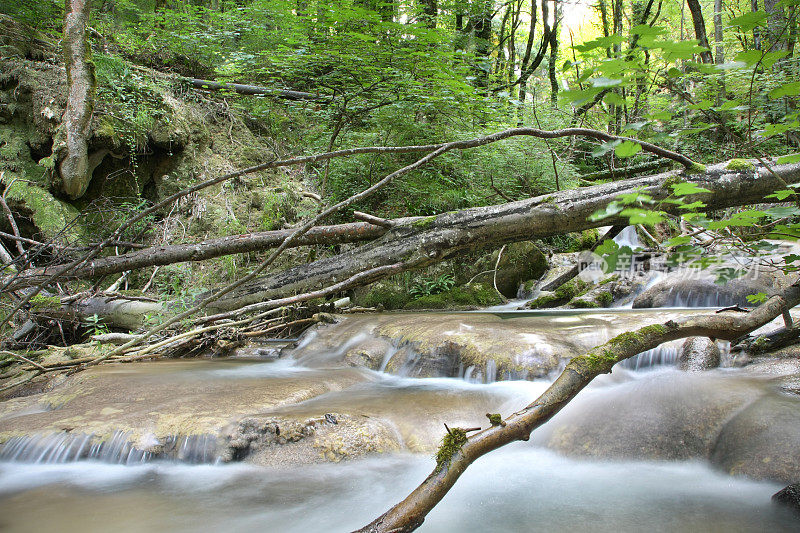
[
  {"x": 41, "y": 301},
  {"x": 604, "y": 298},
  {"x": 495, "y": 419},
  {"x": 674, "y": 180},
  {"x": 475, "y": 295},
  {"x": 451, "y": 444},
  {"x": 571, "y": 289},
  {"x": 547, "y": 300},
  {"x": 609, "y": 279},
  {"x": 740, "y": 164},
  {"x": 696, "y": 168},
  {"x": 389, "y": 297},
  {"x": 424, "y": 223},
  {"x": 585, "y": 240},
  {"x": 584, "y": 304},
  {"x": 600, "y": 360}
]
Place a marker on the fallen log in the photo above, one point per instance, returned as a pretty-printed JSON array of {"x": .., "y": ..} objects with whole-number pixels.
[
  {"x": 441, "y": 237},
  {"x": 241, "y": 88},
  {"x": 201, "y": 251}
]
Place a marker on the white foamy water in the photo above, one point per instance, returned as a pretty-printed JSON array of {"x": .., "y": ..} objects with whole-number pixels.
[{"x": 520, "y": 488}]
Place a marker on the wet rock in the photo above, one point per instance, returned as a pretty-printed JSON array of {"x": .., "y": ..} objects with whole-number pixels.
[
  {"x": 163, "y": 400},
  {"x": 491, "y": 346},
  {"x": 698, "y": 354},
  {"x": 666, "y": 416},
  {"x": 762, "y": 441},
  {"x": 789, "y": 497},
  {"x": 370, "y": 353},
  {"x": 519, "y": 262},
  {"x": 677, "y": 291}
]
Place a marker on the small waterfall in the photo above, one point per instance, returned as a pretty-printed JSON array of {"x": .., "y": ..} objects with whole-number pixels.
[
  {"x": 119, "y": 449},
  {"x": 629, "y": 238},
  {"x": 665, "y": 354}
]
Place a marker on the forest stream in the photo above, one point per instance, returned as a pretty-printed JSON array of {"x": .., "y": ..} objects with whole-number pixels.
[{"x": 646, "y": 447}]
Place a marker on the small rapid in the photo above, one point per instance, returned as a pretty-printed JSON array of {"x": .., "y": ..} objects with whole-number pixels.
[{"x": 336, "y": 430}]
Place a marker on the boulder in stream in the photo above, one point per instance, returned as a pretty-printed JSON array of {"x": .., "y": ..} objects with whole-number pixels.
[{"x": 698, "y": 354}]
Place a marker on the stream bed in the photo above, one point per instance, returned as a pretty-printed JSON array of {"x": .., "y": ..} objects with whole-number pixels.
[{"x": 641, "y": 449}]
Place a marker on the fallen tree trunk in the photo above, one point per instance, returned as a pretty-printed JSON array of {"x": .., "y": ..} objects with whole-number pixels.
[
  {"x": 459, "y": 451},
  {"x": 200, "y": 251},
  {"x": 116, "y": 311},
  {"x": 441, "y": 237},
  {"x": 626, "y": 172},
  {"x": 240, "y": 88}
]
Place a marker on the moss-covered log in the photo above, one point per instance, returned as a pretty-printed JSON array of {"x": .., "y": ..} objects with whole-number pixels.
[{"x": 450, "y": 234}]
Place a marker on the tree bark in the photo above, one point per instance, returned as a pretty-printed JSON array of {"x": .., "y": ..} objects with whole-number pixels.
[
  {"x": 240, "y": 88},
  {"x": 201, "y": 251},
  {"x": 410, "y": 513},
  {"x": 438, "y": 238},
  {"x": 72, "y": 171},
  {"x": 700, "y": 29}
]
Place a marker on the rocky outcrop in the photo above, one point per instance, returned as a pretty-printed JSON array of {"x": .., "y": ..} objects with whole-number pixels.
[
  {"x": 519, "y": 262},
  {"x": 762, "y": 441}
]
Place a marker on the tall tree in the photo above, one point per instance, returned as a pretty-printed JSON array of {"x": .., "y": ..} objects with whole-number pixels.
[
  {"x": 700, "y": 29},
  {"x": 72, "y": 168}
]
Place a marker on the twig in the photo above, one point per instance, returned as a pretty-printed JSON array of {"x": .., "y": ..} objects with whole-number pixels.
[{"x": 25, "y": 359}]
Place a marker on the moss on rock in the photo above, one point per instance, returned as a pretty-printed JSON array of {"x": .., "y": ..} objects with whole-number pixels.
[
  {"x": 466, "y": 296},
  {"x": 740, "y": 164}
]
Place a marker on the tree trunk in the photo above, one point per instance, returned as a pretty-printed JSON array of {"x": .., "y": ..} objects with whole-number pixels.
[
  {"x": 430, "y": 9},
  {"x": 201, "y": 251},
  {"x": 551, "y": 68},
  {"x": 256, "y": 90},
  {"x": 72, "y": 171},
  {"x": 700, "y": 29},
  {"x": 445, "y": 236}
]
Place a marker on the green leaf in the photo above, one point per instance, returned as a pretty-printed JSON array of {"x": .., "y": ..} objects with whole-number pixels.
[
  {"x": 781, "y": 195},
  {"x": 627, "y": 149},
  {"x": 749, "y": 21},
  {"x": 679, "y": 49},
  {"x": 612, "y": 209},
  {"x": 694, "y": 205},
  {"x": 757, "y": 298},
  {"x": 643, "y": 216},
  {"x": 605, "y": 82},
  {"x": 682, "y": 189},
  {"x": 614, "y": 99},
  {"x": 606, "y": 147},
  {"x": 636, "y": 126},
  {"x": 675, "y": 241},
  {"x": 787, "y": 89},
  {"x": 749, "y": 57}
]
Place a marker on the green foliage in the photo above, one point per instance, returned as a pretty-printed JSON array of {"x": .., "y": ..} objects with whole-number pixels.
[{"x": 428, "y": 286}]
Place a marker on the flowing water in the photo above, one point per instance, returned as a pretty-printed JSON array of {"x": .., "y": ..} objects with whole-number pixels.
[{"x": 70, "y": 482}]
